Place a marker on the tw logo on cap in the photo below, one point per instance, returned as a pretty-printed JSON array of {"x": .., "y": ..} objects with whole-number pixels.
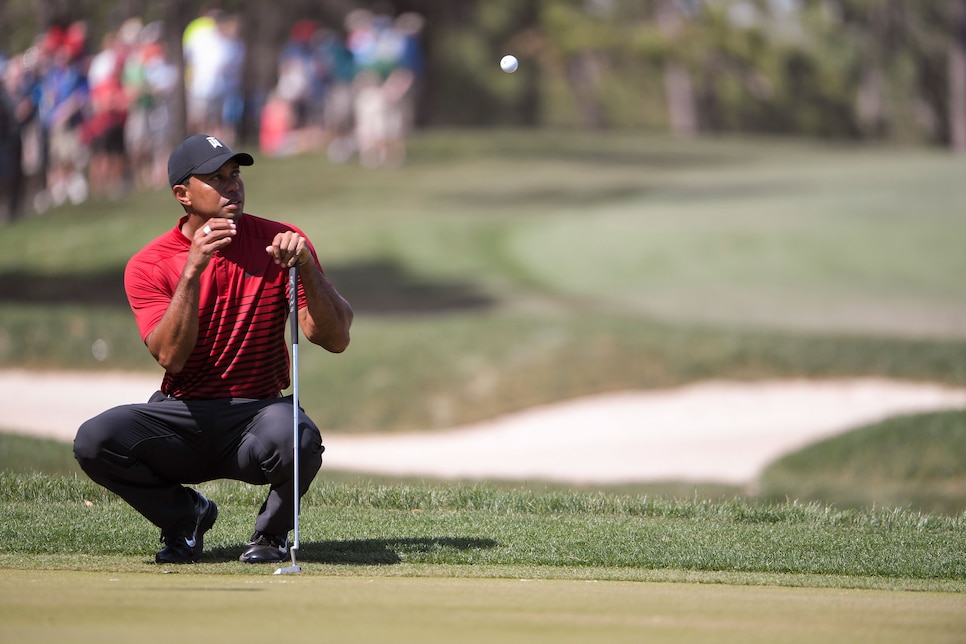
[{"x": 215, "y": 143}]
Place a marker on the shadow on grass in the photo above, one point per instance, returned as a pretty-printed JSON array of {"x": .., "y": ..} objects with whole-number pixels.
[
  {"x": 371, "y": 287},
  {"x": 368, "y": 552},
  {"x": 105, "y": 288},
  {"x": 383, "y": 287}
]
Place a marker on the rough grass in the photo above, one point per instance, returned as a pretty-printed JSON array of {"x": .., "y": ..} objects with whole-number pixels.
[
  {"x": 479, "y": 525},
  {"x": 915, "y": 461},
  {"x": 60, "y": 519}
]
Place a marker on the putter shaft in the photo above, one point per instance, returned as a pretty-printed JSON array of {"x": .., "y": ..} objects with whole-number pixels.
[{"x": 293, "y": 283}]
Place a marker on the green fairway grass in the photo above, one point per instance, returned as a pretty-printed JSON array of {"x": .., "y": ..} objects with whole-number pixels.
[
  {"x": 71, "y": 522},
  {"x": 771, "y": 234},
  {"x": 145, "y": 607}
]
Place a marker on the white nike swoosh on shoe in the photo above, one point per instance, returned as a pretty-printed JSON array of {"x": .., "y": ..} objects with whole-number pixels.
[{"x": 190, "y": 542}]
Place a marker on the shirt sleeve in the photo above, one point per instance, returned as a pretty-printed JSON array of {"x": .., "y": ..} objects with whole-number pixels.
[{"x": 148, "y": 293}]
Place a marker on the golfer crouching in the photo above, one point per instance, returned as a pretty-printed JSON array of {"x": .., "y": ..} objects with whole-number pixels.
[{"x": 210, "y": 300}]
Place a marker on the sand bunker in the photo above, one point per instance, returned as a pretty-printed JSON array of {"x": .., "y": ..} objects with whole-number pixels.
[{"x": 712, "y": 431}]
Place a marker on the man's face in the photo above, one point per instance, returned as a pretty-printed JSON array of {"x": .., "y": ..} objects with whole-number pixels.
[{"x": 219, "y": 194}]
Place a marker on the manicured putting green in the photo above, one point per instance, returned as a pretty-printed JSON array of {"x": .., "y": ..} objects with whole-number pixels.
[{"x": 67, "y": 606}]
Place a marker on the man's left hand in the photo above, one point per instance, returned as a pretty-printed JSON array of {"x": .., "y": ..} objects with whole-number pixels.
[{"x": 288, "y": 248}]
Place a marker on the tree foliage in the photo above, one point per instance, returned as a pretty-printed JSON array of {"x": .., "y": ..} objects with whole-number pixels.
[{"x": 871, "y": 69}]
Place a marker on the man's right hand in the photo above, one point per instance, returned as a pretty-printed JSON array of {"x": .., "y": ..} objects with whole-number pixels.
[{"x": 216, "y": 234}]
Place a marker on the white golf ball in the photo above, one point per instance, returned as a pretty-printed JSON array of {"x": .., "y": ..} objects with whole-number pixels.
[{"x": 509, "y": 64}]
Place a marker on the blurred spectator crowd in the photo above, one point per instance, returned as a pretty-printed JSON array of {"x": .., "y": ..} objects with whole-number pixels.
[{"x": 78, "y": 120}]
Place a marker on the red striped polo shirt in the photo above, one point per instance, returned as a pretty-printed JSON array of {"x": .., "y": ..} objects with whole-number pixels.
[{"x": 241, "y": 350}]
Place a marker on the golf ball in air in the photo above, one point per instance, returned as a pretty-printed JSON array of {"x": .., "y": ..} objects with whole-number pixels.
[{"x": 509, "y": 64}]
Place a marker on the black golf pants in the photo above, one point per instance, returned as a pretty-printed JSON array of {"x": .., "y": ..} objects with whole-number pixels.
[{"x": 145, "y": 453}]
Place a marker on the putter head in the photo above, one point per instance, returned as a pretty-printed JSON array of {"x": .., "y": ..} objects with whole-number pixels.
[{"x": 289, "y": 570}]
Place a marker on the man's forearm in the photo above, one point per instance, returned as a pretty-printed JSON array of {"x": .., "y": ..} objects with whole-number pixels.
[
  {"x": 326, "y": 319},
  {"x": 173, "y": 340}
]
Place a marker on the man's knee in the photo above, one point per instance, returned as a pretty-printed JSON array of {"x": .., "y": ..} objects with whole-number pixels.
[
  {"x": 275, "y": 434},
  {"x": 96, "y": 439},
  {"x": 88, "y": 442},
  {"x": 311, "y": 448}
]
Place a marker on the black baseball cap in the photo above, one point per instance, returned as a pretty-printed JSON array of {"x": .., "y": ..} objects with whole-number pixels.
[{"x": 201, "y": 154}]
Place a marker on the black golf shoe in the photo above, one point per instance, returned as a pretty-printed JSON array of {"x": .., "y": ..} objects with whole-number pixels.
[
  {"x": 185, "y": 545},
  {"x": 265, "y": 548}
]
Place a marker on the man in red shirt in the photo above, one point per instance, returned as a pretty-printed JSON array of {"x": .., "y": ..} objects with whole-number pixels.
[{"x": 210, "y": 300}]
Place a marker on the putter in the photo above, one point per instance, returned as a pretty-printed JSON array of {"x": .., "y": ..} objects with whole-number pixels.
[{"x": 293, "y": 310}]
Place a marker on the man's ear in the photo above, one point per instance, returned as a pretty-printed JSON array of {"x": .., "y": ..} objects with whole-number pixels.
[{"x": 181, "y": 194}]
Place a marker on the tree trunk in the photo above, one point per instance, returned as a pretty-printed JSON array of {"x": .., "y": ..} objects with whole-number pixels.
[
  {"x": 956, "y": 66},
  {"x": 584, "y": 72},
  {"x": 49, "y": 12},
  {"x": 680, "y": 94},
  {"x": 869, "y": 106},
  {"x": 177, "y": 15},
  {"x": 678, "y": 88}
]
